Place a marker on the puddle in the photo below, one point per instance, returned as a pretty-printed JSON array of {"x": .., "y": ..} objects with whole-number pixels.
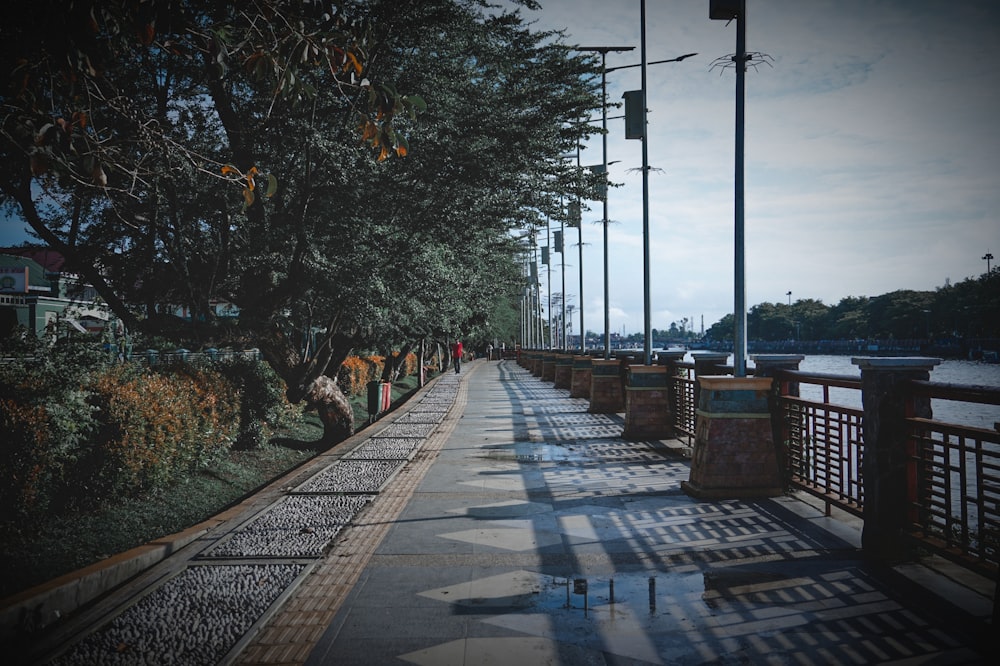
[
  {"x": 618, "y": 596},
  {"x": 534, "y": 452}
]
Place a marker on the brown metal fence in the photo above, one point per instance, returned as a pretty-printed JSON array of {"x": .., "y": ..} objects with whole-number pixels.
[
  {"x": 953, "y": 474},
  {"x": 954, "y": 480}
]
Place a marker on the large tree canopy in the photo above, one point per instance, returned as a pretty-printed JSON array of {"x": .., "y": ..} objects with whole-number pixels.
[{"x": 264, "y": 152}]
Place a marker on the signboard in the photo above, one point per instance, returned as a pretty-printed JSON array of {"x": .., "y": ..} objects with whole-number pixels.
[{"x": 14, "y": 279}]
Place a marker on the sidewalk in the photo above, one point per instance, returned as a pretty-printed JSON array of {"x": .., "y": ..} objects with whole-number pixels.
[
  {"x": 536, "y": 536},
  {"x": 520, "y": 529}
]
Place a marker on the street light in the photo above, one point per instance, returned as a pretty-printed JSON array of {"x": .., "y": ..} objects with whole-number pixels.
[
  {"x": 604, "y": 50},
  {"x": 988, "y": 257},
  {"x": 647, "y": 344},
  {"x": 728, "y": 10}
]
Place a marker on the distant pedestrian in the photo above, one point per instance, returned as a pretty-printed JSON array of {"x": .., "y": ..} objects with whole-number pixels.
[
  {"x": 456, "y": 355},
  {"x": 489, "y": 351}
]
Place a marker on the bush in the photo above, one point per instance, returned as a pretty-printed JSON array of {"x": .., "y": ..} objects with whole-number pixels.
[
  {"x": 156, "y": 425},
  {"x": 265, "y": 407},
  {"x": 356, "y": 371},
  {"x": 408, "y": 367}
]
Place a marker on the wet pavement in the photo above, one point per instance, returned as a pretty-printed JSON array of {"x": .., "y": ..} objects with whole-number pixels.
[{"x": 523, "y": 530}]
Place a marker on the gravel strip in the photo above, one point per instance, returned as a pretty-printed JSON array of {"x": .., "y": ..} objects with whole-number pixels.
[
  {"x": 192, "y": 619},
  {"x": 296, "y": 526},
  {"x": 421, "y": 430},
  {"x": 421, "y": 417},
  {"x": 352, "y": 476},
  {"x": 385, "y": 448}
]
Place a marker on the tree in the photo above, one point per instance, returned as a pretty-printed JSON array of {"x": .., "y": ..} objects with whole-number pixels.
[{"x": 347, "y": 248}]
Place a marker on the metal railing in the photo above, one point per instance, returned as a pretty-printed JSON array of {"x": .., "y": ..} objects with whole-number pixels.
[
  {"x": 954, "y": 473},
  {"x": 683, "y": 404},
  {"x": 823, "y": 442}
]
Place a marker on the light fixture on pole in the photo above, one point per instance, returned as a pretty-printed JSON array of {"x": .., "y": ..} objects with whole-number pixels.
[
  {"x": 636, "y": 127},
  {"x": 729, "y": 10},
  {"x": 604, "y": 50}
]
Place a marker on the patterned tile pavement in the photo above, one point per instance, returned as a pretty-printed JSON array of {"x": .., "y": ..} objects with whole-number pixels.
[{"x": 526, "y": 532}]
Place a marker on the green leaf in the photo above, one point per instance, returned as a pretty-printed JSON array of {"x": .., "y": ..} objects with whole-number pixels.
[{"x": 272, "y": 185}]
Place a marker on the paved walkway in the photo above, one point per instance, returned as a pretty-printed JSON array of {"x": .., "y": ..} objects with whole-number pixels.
[
  {"x": 527, "y": 532},
  {"x": 524, "y": 531}
]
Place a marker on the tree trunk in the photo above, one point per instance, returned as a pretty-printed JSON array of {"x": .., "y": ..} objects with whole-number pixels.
[
  {"x": 334, "y": 410},
  {"x": 421, "y": 363}
]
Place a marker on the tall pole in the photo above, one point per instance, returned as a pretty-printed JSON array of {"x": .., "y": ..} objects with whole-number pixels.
[
  {"x": 604, "y": 159},
  {"x": 548, "y": 279},
  {"x": 647, "y": 348},
  {"x": 579, "y": 245},
  {"x": 603, "y": 50},
  {"x": 740, "y": 300},
  {"x": 562, "y": 263}
]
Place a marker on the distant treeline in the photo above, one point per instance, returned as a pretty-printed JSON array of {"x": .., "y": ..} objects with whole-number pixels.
[{"x": 963, "y": 316}]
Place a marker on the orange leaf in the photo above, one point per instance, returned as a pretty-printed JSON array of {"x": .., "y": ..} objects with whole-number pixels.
[
  {"x": 229, "y": 169},
  {"x": 354, "y": 62}
]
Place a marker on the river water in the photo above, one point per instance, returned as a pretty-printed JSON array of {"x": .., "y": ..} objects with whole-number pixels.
[{"x": 949, "y": 371}]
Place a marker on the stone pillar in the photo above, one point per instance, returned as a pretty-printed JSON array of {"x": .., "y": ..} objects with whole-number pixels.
[
  {"x": 670, "y": 359},
  {"x": 711, "y": 364},
  {"x": 579, "y": 386},
  {"x": 647, "y": 404},
  {"x": 768, "y": 365},
  {"x": 549, "y": 367},
  {"x": 885, "y": 465},
  {"x": 625, "y": 359},
  {"x": 734, "y": 454},
  {"x": 606, "y": 396},
  {"x": 563, "y": 373},
  {"x": 536, "y": 363}
]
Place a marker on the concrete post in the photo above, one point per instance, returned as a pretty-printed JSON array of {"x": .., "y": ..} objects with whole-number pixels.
[
  {"x": 562, "y": 374},
  {"x": 580, "y": 383},
  {"x": 887, "y": 404},
  {"x": 734, "y": 455},
  {"x": 707, "y": 364},
  {"x": 606, "y": 395},
  {"x": 768, "y": 365},
  {"x": 647, "y": 404}
]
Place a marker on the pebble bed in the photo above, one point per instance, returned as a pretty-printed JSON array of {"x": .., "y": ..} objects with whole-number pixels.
[
  {"x": 421, "y": 417},
  {"x": 296, "y": 526},
  {"x": 214, "y": 605},
  {"x": 352, "y": 476},
  {"x": 420, "y": 430},
  {"x": 200, "y": 615},
  {"x": 385, "y": 448}
]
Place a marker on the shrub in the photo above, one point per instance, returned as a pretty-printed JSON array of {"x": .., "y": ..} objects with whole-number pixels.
[
  {"x": 356, "y": 371},
  {"x": 156, "y": 425},
  {"x": 408, "y": 366},
  {"x": 264, "y": 407}
]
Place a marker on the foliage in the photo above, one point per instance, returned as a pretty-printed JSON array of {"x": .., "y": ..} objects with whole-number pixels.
[
  {"x": 151, "y": 131},
  {"x": 263, "y": 407},
  {"x": 146, "y": 443},
  {"x": 356, "y": 371},
  {"x": 77, "y": 430},
  {"x": 968, "y": 310}
]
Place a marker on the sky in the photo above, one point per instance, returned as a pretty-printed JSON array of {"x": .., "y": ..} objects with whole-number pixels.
[{"x": 872, "y": 154}]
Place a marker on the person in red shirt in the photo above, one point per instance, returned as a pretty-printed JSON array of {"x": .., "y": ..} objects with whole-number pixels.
[{"x": 456, "y": 355}]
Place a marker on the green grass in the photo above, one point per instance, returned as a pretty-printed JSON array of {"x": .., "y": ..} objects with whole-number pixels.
[{"x": 66, "y": 543}]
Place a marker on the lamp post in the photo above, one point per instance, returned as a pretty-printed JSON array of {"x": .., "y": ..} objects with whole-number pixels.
[
  {"x": 987, "y": 258},
  {"x": 647, "y": 344},
  {"x": 604, "y": 50},
  {"x": 728, "y": 10}
]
